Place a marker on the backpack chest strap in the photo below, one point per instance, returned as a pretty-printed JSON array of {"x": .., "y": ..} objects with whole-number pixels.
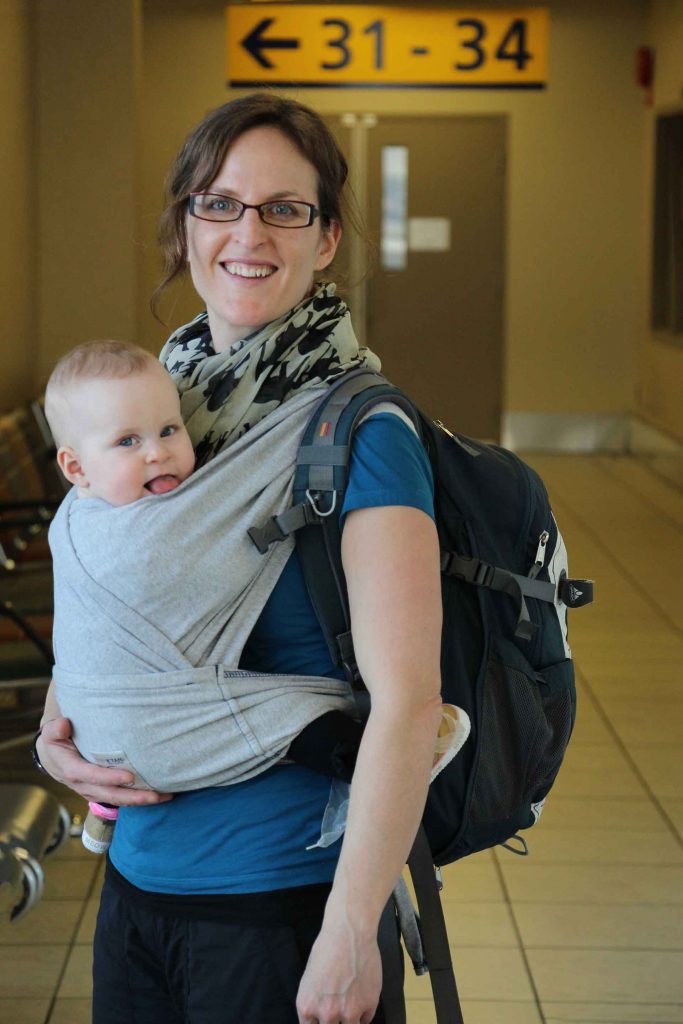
[{"x": 573, "y": 593}]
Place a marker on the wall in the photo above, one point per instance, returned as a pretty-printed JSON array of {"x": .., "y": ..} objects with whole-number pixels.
[
  {"x": 184, "y": 46},
  {"x": 19, "y": 221},
  {"x": 660, "y": 365},
  {"x": 575, "y": 267},
  {"x": 87, "y": 147}
]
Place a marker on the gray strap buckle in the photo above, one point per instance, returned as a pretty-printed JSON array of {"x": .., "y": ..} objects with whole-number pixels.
[{"x": 278, "y": 528}]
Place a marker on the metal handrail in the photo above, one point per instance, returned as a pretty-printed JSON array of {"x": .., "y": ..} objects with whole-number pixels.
[
  {"x": 17, "y": 741},
  {"x": 24, "y": 684}
]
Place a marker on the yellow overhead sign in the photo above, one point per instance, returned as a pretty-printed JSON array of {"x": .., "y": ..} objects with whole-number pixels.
[{"x": 340, "y": 45}]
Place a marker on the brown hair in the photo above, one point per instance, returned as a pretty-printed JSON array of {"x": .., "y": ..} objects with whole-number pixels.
[
  {"x": 92, "y": 360},
  {"x": 202, "y": 154}
]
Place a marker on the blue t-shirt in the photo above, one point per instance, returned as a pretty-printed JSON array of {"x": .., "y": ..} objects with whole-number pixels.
[{"x": 252, "y": 837}]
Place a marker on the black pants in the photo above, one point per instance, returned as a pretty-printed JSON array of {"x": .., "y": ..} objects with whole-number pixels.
[{"x": 236, "y": 960}]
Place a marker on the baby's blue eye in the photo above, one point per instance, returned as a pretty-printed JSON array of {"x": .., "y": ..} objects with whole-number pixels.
[
  {"x": 126, "y": 442},
  {"x": 167, "y": 431}
]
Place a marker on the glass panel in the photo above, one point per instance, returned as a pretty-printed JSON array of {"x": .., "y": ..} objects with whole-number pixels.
[{"x": 394, "y": 207}]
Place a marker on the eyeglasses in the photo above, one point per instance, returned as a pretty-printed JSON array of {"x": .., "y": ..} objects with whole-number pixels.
[{"x": 280, "y": 213}]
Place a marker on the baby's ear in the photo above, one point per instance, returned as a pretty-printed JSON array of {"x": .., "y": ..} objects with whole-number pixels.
[{"x": 70, "y": 465}]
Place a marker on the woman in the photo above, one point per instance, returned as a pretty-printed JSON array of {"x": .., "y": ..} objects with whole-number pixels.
[{"x": 213, "y": 910}]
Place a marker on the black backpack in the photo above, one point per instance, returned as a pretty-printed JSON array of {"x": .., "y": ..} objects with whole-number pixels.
[
  {"x": 504, "y": 652},
  {"x": 505, "y": 658}
]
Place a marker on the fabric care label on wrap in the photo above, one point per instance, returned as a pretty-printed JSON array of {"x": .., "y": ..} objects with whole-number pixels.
[{"x": 119, "y": 759}]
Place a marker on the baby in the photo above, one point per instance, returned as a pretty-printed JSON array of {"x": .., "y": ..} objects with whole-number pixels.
[{"x": 115, "y": 415}]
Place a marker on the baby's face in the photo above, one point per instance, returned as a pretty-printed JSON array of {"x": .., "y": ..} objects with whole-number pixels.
[{"x": 130, "y": 437}]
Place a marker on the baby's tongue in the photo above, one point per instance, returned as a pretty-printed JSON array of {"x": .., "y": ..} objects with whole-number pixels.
[{"x": 162, "y": 484}]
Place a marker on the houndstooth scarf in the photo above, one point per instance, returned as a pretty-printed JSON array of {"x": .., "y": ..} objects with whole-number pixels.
[{"x": 224, "y": 394}]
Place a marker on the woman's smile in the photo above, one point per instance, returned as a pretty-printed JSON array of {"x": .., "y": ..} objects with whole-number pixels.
[{"x": 247, "y": 270}]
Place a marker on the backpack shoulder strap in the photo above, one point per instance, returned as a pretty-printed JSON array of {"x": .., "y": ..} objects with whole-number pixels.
[{"x": 320, "y": 481}]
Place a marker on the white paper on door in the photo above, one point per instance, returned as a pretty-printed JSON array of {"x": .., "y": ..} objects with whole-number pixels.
[{"x": 429, "y": 234}]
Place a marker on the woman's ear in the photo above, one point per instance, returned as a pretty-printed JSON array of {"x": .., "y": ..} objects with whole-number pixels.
[
  {"x": 328, "y": 245},
  {"x": 69, "y": 462}
]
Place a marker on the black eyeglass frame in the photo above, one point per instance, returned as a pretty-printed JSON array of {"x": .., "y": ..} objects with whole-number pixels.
[{"x": 313, "y": 211}]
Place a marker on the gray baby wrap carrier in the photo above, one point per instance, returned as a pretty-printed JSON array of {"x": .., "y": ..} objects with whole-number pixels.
[{"x": 154, "y": 602}]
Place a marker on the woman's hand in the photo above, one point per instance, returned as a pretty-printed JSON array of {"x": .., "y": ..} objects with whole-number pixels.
[
  {"x": 59, "y": 756},
  {"x": 343, "y": 977}
]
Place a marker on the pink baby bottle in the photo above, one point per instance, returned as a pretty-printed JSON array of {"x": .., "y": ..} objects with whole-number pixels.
[{"x": 98, "y": 828}]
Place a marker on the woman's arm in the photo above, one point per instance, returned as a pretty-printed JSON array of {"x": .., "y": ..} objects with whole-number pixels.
[
  {"x": 59, "y": 756},
  {"x": 391, "y": 563}
]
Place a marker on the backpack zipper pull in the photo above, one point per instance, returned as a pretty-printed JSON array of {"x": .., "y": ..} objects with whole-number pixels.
[{"x": 539, "y": 560}]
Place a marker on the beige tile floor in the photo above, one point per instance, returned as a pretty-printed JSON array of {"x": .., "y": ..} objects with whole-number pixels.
[{"x": 590, "y": 927}]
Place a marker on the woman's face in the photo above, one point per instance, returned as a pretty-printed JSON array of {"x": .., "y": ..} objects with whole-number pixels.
[{"x": 247, "y": 272}]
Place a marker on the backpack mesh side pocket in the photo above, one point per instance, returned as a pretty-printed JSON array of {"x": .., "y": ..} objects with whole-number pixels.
[{"x": 525, "y": 727}]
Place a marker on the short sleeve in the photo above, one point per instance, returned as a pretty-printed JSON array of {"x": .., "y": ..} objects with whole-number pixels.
[{"x": 388, "y": 466}]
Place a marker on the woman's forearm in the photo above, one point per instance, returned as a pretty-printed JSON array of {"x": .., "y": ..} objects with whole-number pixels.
[
  {"x": 343, "y": 977},
  {"x": 387, "y": 800}
]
